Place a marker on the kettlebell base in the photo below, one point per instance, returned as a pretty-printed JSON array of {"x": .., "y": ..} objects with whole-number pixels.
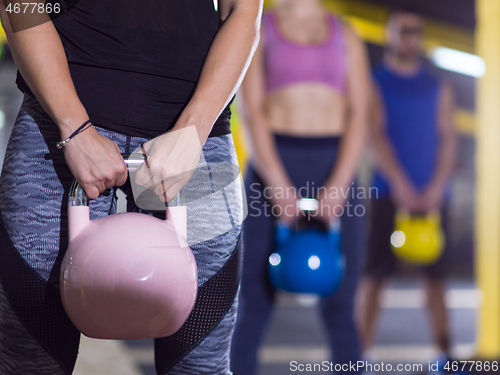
[{"x": 127, "y": 276}]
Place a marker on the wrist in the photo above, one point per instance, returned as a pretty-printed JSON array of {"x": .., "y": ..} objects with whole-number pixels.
[
  {"x": 68, "y": 125},
  {"x": 86, "y": 125},
  {"x": 276, "y": 179},
  {"x": 337, "y": 184},
  {"x": 399, "y": 180},
  {"x": 203, "y": 128},
  {"x": 437, "y": 184},
  {"x": 199, "y": 116}
]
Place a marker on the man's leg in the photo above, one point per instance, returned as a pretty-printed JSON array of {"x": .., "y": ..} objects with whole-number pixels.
[
  {"x": 435, "y": 288},
  {"x": 380, "y": 263},
  {"x": 369, "y": 309},
  {"x": 435, "y": 291}
]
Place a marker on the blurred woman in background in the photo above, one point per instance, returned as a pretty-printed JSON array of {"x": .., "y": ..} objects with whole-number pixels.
[{"x": 305, "y": 100}]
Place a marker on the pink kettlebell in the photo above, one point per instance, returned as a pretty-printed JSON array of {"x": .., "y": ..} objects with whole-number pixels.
[{"x": 127, "y": 275}]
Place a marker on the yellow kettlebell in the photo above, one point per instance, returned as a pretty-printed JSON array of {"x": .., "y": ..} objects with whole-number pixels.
[{"x": 418, "y": 239}]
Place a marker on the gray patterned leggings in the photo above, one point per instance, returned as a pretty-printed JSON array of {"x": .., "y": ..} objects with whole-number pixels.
[{"x": 36, "y": 336}]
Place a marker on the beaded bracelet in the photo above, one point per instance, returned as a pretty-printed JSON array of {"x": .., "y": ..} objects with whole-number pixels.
[{"x": 85, "y": 126}]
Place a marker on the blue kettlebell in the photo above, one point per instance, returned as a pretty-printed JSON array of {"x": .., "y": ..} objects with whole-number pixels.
[{"x": 309, "y": 260}]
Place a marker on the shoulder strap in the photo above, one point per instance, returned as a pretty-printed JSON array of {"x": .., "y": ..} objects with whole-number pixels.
[
  {"x": 269, "y": 23},
  {"x": 337, "y": 28}
]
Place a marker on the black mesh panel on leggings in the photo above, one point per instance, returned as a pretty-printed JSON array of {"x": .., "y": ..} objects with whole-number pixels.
[
  {"x": 38, "y": 305},
  {"x": 214, "y": 299}
]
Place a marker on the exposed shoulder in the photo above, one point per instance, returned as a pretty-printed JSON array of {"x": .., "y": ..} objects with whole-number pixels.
[
  {"x": 434, "y": 79},
  {"x": 445, "y": 83},
  {"x": 445, "y": 88},
  {"x": 349, "y": 31},
  {"x": 355, "y": 45},
  {"x": 352, "y": 39}
]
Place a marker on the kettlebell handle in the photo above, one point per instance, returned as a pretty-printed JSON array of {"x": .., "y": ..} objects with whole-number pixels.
[
  {"x": 133, "y": 161},
  {"x": 404, "y": 214},
  {"x": 312, "y": 204},
  {"x": 283, "y": 231}
]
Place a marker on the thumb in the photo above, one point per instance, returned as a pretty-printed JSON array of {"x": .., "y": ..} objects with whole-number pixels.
[
  {"x": 143, "y": 174},
  {"x": 146, "y": 147}
]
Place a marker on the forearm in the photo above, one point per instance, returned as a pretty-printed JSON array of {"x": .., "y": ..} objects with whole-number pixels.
[
  {"x": 265, "y": 157},
  {"x": 351, "y": 149},
  {"x": 386, "y": 160},
  {"x": 40, "y": 57},
  {"x": 446, "y": 161},
  {"x": 447, "y": 148},
  {"x": 223, "y": 70}
]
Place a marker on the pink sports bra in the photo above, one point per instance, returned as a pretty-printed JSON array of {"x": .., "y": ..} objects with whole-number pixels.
[{"x": 288, "y": 62}]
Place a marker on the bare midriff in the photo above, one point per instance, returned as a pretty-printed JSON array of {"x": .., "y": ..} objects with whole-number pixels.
[{"x": 307, "y": 109}]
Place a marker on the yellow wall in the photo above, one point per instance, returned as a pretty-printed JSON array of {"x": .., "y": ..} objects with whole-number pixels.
[
  {"x": 488, "y": 180},
  {"x": 3, "y": 38},
  {"x": 240, "y": 142}
]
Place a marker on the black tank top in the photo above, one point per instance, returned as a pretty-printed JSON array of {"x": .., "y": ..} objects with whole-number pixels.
[{"x": 135, "y": 63}]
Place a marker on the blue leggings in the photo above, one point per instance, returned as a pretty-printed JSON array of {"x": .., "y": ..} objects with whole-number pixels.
[
  {"x": 309, "y": 162},
  {"x": 36, "y": 336}
]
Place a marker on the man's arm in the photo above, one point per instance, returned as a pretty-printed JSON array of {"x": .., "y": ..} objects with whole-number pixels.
[
  {"x": 94, "y": 160},
  {"x": 432, "y": 198},
  {"x": 403, "y": 192}
]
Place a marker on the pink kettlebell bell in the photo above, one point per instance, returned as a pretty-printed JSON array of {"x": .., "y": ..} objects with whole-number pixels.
[{"x": 127, "y": 275}]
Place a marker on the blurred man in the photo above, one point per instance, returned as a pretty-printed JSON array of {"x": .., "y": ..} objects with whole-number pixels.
[{"x": 414, "y": 142}]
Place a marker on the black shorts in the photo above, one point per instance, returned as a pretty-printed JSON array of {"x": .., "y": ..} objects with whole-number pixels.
[{"x": 381, "y": 261}]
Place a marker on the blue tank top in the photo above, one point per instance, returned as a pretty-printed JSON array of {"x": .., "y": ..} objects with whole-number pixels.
[{"x": 411, "y": 107}]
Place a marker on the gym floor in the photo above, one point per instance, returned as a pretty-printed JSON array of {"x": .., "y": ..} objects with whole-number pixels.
[{"x": 295, "y": 332}]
